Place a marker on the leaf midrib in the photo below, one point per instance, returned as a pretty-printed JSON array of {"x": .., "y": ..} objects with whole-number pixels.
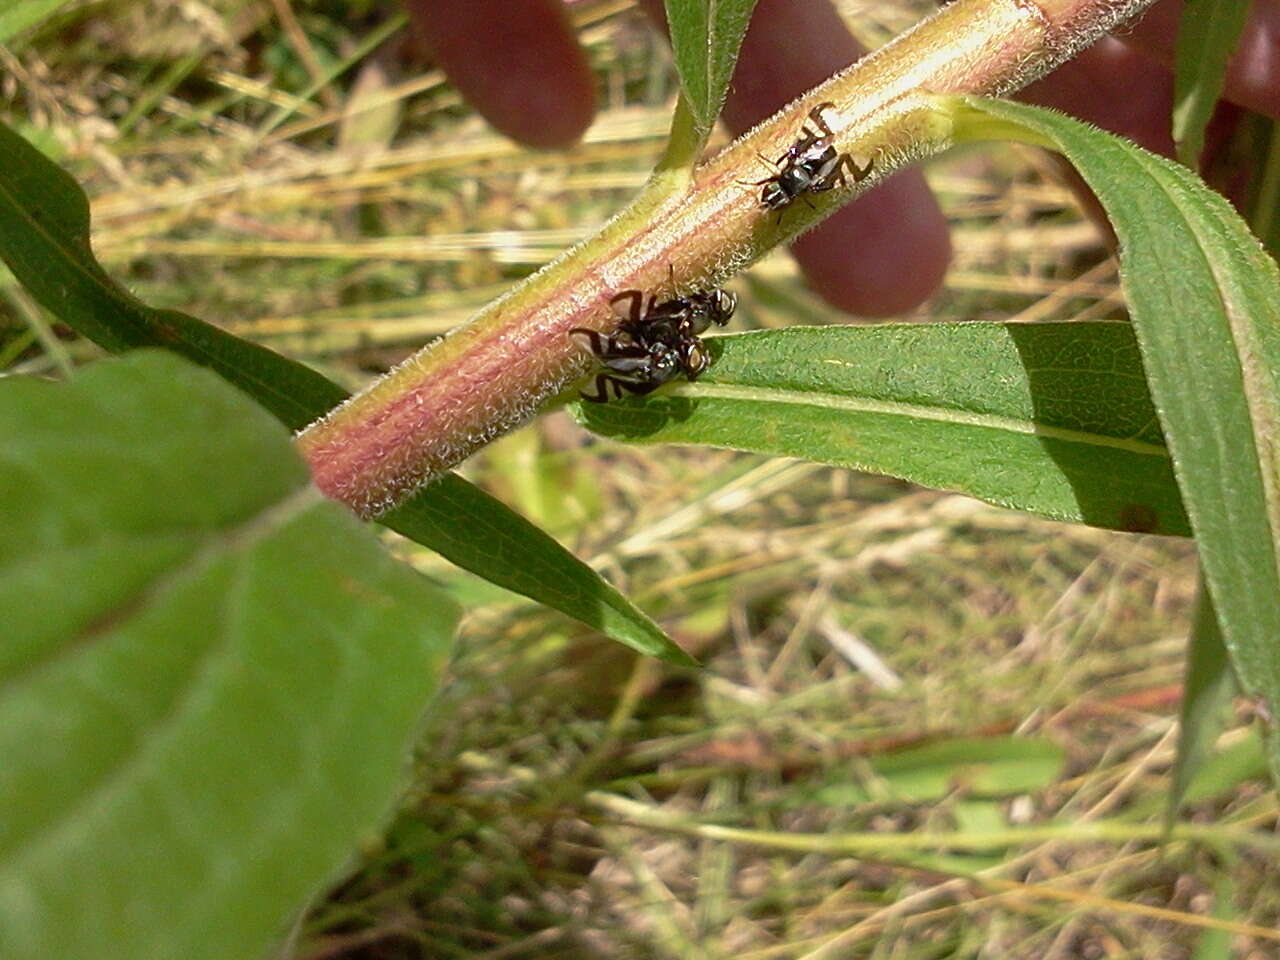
[
  {"x": 1238, "y": 329},
  {"x": 236, "y": 542},
  {"x": 215, "y": 543},
  {"x": 847, "y": 404},
  {"x": 122, "y": 771}
]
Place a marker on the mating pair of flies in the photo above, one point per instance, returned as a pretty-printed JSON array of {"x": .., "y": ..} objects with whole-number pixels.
[{"x": 657, "y": 342}]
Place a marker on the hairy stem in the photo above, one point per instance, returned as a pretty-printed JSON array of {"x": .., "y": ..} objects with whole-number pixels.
[{"x": 493, "y": 373}]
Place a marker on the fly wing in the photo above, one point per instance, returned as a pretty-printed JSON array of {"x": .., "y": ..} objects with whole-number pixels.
[
  {"x": 632, "y": 363},
  {"x": 823, "y": 168}
]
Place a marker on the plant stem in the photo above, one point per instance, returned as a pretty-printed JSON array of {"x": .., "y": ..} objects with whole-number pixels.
[
  {"x": 1266, "y": 205},
  {"x": 869, "y": 843},
  {"x": 515, "y": 355}
]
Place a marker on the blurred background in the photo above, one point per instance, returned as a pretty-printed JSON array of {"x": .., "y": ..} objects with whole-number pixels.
[{"x": 878, "y": 658}]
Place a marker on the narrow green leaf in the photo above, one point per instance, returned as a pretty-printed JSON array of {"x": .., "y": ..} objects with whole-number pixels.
[
  {"x": 1226, "y": 769},
  {"x": 684, "y": 146},
  {"x": 1207, "y": 689},
  {"x": 44, "y": 238},
  {"x": 1050, "y": 418},
  {"x": 1208, "y": 32},
  {"x": 984, "y": 766},
  {"x": 706, "y": 36},
  {"x": 1264, "y": 200},
  {"x": 25, "y": 13},
  {"x": 457, "y": 520},
  {"x": 1204, "y": 299},
  {"x": 211, "y": 676},
  {"x": 1215, "y": 943}
]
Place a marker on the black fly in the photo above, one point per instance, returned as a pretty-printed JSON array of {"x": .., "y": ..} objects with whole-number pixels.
[
  {"x": 811, "y": 165},
  {"x": 655, "y": 343}
]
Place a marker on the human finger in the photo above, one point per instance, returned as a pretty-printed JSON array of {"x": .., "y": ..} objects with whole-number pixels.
[
  {"x": 887, "y": 251},
  {"x": 1115, "y": 87},
  {"x": 518, "y": 62},
  {"x": 1252, "y": 78}
]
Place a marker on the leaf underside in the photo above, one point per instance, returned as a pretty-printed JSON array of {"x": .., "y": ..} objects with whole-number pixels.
[
  {"x": 1204, "y": 300},
  {"x": 705, "y": 38}
]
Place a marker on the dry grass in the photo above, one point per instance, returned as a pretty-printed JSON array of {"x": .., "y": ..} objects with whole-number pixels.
[{"x": 894, "y": 677}]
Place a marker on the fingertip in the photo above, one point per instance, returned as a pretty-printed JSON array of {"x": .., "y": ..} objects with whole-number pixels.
[
  {"x": 883, "y": 255},
  {"x": 1252, "y": 78},
  {"x": 1116, "y": 87},
  {"x": 519, "y": 64},
  {"x": 790, "y": 46},
  {"x": 887, "y": 252},
  {"x": 560, "y": 118}
]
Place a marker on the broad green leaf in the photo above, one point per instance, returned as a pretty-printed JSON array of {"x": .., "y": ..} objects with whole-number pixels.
[
  {"x": 1207, "y": 689},
  {"x": 1050, "y": 418},
  {"x": 210, "y": 677},
  {"x": 25, "y": 13},
  {"x": 1204, "y": 299},
  {"x": 706, "y": 36},
  {"x": 1207, "y": 34},
  {"x": 44, "y": 238}
]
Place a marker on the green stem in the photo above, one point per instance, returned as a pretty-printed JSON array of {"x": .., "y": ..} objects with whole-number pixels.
[
  {"x": 1266, "y": 206},
  {"x": 684, "y": 144},
  {"x": 515, "y": 355},
  {"x": 870, "y": 844}
]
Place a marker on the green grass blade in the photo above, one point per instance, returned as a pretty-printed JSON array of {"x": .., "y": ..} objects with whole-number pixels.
[
  {"x": 44, "y": 238},
  {"x": 1215, "y": 943},
  {"x": 706, "y": 36},
  {"x": 1208, "y": 32},
  {"x": 26, "y": 13},
  {"x": 1206, "y": 690},
  {"x": 1050, "y": 418},
  {"x": 211, "y": 676},
  {"x": 1204, "y": 299},
  {"x": 987, "y": 766}
]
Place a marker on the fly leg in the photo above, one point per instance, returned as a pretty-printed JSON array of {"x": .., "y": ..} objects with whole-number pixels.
[
  {"x": 815, "y": 117},
  {"x": 859, "y": 173},
  {"x": 602, "y": 345}
]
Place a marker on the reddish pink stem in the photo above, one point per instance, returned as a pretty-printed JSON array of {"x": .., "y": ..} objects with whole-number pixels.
[{"x": 448, "y": 400}]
